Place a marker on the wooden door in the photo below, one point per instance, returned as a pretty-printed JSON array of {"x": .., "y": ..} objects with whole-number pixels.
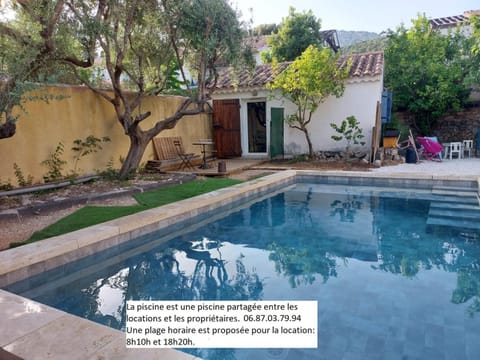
[{"x": 226, "y": 128}]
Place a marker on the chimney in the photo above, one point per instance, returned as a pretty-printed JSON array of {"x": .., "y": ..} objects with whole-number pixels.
[{"x": 469, "y": 13}]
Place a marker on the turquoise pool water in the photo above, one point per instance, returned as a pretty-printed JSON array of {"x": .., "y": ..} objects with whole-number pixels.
[{"x": 388, "y": 285}]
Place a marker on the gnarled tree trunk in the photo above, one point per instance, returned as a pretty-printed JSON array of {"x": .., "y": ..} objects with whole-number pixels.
[
  {"x": 7, "y": 129},
  {"x": 138, "y": 144}
]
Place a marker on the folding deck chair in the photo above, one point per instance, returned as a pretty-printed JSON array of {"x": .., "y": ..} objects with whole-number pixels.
[
  {"x": 186, "y": 158},
  {"x": 430, "y": 149}
]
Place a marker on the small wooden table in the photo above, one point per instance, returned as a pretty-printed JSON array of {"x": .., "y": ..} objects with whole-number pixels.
[{"x": 203, "y": 144}]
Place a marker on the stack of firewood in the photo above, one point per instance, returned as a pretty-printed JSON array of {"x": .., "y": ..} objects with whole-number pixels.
[{"x": 153, "y": 165}]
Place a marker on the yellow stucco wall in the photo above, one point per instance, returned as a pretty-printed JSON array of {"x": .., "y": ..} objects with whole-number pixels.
[{"x": 80, "y": 114}]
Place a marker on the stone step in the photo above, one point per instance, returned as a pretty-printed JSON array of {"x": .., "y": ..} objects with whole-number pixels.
[
  {"x": 466, "y": 200},
  {"x": 456, "y": 188},
  {"x": 460, "y": 224},
  {"x": 455, "y": 206},
  {"x": 463, "y": 192},
  {"x": 458, "y": 208},
  {"x": 465, "y": 214}
]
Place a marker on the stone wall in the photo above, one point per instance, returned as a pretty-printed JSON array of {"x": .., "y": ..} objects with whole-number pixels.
[{"x": 454, "y": 126}]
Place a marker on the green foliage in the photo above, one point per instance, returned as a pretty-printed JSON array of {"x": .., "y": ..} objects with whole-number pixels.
[
  {"x": 310, "y": 79},
  {"x": 307, "y": 82},
  {"x": 144, "y": 45},
  {"x": 5, "y": 186},
  {"x": 427, "y": 72},
  {"x": 473, "y": 44},
  {"x": 266, "y": 56},
  {"x": 20, "y": 177},
  {"x": 295, "y": 34},
  {"x": 172, "y": 84},
  {"x": 404, "y": 129},
  {"x": 55, "y": 164},
  {"x": 140, "y": 45},
  {"x": 110, "y": 173},
  {"x": 212, "y": 34},
  {"x": 475, "y": 24},
  {"x": 349, "y": 131},
  {"x": 25, "y": 63},
  {"x": 83, "y": 147},
  {"x": 14, "y": 97},
  {"x": 265, "y": 29}
]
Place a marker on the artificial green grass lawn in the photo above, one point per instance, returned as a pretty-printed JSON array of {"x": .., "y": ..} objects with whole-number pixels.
[{"x": 92, "y": 215}]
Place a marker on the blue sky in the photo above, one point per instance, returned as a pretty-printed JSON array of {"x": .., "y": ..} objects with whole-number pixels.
[{"x": 361, "y": 15}]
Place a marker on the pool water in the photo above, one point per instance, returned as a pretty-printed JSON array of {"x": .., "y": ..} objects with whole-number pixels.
[{"x": 388, "y": 286}]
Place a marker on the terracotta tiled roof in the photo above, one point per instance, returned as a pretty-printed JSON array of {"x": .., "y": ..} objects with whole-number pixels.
[
  {"x": 256, "y": 78},
  {"x": 449, "y": 21},
  {"x": 453, "y": 21},
  {"x": 363, "y": 65},
  {"x": 367, "y": 64}
]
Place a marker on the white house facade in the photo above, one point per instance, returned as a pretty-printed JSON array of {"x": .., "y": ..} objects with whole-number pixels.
[{"x": 261, "y": 130}]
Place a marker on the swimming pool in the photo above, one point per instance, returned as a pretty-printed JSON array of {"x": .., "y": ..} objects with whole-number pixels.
[{"x": 388, "y": 284}]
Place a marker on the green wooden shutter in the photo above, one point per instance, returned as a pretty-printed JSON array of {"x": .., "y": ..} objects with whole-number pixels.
[{"x": 276, "y": 132}]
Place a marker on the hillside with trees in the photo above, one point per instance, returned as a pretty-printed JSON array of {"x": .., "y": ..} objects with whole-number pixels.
[
  {"x": 377, "y": 44},
  {"x": 348, "y": 38},
  {"x": 351, "y": 42}
]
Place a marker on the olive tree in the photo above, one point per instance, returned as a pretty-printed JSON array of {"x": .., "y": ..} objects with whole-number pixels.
[
  {"x": 141, "y": 40},
  {"x": 138, "y": 43},
  {"x": 26, "y": 55}
]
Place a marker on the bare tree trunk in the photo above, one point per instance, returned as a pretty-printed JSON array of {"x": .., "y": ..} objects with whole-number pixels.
[
  {"x": 309, "y": 142},
  {"x": 138, "y": 144}
]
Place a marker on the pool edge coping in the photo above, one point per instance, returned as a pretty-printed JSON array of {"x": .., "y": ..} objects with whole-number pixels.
[
  {"x": 33, "y": 255},
  {"x": 124, "y": 228}
]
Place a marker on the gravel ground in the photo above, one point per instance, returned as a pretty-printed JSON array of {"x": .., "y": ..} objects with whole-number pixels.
[{"x": 21, "y": 228}]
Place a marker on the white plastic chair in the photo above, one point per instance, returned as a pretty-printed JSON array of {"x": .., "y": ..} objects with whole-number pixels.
[
  {"x": 456, "y": 147},
  {"x": 446, "y": 150},
  {"x": 467, "y": 147}
]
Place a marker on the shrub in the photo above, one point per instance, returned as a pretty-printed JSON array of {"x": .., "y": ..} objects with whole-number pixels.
[
  {"x": 55, "y": 164},
  {"x": 349, "y": 131}
]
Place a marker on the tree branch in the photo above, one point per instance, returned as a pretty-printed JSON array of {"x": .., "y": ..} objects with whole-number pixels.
[
  {"x": 15, "y": 35},
  {"x": 183, "y": 110},
  {"x": 96, "y": 90}
]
